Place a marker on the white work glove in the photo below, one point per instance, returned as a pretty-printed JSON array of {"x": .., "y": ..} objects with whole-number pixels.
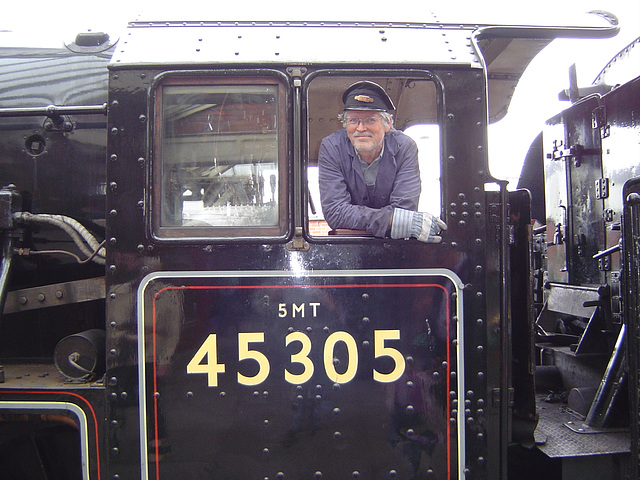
[{"x": 421, "y": 225}]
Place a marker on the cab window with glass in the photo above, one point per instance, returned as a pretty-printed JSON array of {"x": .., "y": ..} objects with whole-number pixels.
[{"x": 218, "y": 170}]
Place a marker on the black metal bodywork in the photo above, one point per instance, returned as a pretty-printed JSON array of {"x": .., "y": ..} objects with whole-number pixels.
[{"x": 274, "y": 352}]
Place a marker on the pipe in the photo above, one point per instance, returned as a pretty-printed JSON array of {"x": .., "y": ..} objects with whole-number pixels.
[
  {"x": 78, "y": 233},
  {"x": 5, "y": 270},
  {"x": 610, "y": 385}
]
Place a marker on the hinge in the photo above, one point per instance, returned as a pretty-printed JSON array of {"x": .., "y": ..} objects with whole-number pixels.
[
  {"x": 574, "y": 151},
  {"x": 298, "y": 243},
  {"x": 602, "y": 188},
  {"x": 495, "y": 397},
  {"x": 599, "y": 121}
]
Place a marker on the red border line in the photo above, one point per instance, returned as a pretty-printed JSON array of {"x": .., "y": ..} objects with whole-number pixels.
[{"x": 61, "y": 392}]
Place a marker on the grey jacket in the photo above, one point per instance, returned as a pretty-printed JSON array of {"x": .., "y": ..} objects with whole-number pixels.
[{"x": 346, "y": 200}]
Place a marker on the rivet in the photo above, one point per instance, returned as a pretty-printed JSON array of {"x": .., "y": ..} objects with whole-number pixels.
[
  {"x": 41, "y": 297},
  {"x": 365, "y": 296},
  {"x": 112, "y": 351},
  {"x": 23, "y": 300},
  {"x": 115, "y": 450},
  {"x": 410, "y": 384},
  {"x": 59, "y": 294},
  {"x": 337, "y": 435},
  {"x": 114, "y": 131},
  {"x": 113, "y": 213},
  {"x": 189, "y": 394},
  {"x": 156, "y": 394},
  {"x": 113, "y": 157},
  {"x": 365, "y": 320}
]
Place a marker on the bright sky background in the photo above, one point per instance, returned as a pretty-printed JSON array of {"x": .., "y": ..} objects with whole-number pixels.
[
  {"x": 536, "y": 97},
  {"x": 534, "y": 101}
]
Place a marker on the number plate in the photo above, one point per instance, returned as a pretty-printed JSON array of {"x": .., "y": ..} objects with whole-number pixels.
[{"x": 327, "y": 375}]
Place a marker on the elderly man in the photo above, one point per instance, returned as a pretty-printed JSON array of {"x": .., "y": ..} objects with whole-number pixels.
[{"x": 368, "y": 172}]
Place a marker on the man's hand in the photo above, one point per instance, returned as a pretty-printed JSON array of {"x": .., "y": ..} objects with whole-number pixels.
[{"x": 421, "y": 225}]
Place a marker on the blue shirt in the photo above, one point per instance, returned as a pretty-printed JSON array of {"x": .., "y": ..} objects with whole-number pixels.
[{"x": 347, "y": 202}]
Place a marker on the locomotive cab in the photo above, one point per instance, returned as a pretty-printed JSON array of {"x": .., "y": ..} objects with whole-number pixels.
[{"x": 245, "y": 338}]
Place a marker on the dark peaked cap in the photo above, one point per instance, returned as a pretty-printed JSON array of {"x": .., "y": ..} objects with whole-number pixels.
[{"x": 367, "y": 95}]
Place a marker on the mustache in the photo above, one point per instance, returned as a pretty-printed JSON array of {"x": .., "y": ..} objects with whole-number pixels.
[{"x": 363, "y": 134}]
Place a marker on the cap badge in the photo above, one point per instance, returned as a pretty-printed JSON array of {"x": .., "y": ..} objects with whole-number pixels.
[{"x": 363, "y": 98}]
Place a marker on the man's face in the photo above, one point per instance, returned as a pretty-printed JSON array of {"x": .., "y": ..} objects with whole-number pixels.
[{"x": 367, "y": 134}]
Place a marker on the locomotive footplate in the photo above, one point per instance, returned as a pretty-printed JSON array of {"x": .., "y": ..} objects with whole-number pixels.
[{"x": 561, "y": 433}]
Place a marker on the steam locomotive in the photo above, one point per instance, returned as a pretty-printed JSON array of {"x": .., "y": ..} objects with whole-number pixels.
[{"x": 174, "y": 304}]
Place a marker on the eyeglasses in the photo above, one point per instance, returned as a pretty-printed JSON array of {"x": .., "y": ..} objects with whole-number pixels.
[{"x": 366, "y": 121}]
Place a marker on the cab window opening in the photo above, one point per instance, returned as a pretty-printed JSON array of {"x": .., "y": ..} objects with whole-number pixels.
[
  {"x": 219, "y": 164},
  {"x": 415, "y": 114}
]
